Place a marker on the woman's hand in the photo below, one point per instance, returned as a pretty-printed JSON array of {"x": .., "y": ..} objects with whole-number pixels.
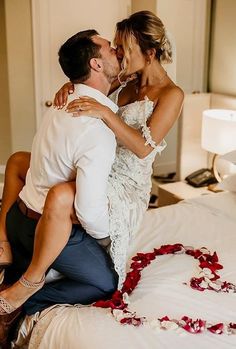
[
  {"x": 89, "y": 107},
  {"x": 61, "y": 96}
]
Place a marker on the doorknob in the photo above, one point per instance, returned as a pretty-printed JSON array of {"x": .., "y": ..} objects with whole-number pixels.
[{"x": 48, "y": 104}]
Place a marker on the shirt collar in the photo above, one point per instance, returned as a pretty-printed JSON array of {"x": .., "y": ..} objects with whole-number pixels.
[{"x": 84, "y": 90}]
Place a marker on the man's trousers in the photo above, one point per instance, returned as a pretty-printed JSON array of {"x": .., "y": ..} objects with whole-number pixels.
[{"x": 88, "y": 269}]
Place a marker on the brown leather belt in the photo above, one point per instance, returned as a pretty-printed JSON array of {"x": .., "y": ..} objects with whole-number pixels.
[{"x": 27, "y": 211}]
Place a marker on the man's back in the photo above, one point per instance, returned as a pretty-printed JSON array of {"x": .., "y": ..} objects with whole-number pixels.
[{"x": 67, "y": 147}]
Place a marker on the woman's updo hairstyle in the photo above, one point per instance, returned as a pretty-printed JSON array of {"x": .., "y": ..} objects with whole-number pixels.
[{"x": 149, "y": 32}]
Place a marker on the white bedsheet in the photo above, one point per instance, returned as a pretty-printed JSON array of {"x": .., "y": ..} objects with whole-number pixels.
[{"x": 209, "y": 221}]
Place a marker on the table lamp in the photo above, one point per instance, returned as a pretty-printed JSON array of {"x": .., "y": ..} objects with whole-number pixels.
[{"x": 218, "y": 133}]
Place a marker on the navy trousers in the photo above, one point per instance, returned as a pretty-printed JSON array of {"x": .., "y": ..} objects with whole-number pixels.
[{"x": 88, "y": 269}]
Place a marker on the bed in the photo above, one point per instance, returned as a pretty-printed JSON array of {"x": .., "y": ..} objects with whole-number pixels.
[
  {"x": 208, "y": 221},
  {"x": 163, "y": 289}
]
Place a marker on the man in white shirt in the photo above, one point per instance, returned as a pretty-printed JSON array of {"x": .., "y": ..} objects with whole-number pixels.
[{"x": 65, "y": 149}]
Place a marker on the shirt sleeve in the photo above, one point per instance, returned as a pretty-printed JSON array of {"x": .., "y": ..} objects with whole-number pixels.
[{"x": 93, "y": 168}]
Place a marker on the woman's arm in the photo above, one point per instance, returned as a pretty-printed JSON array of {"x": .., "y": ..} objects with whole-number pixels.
[
  {"x": 61, "y": 96},
  {"x": 162, "y": 119}
]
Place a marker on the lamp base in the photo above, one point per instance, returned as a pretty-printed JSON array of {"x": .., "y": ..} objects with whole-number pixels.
[{"x": 214, "y": 166}]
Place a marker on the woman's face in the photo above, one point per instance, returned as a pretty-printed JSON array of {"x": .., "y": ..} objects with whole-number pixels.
[{"x": 136, "y": 59}]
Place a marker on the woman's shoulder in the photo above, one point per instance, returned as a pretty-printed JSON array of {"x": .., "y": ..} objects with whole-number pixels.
[
  {"x": 173, "y": 92},
  {"x": 170, "y": 94}
]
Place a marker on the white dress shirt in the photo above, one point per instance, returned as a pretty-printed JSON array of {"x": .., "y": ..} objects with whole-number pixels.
[{"x": 69, "y": 148}]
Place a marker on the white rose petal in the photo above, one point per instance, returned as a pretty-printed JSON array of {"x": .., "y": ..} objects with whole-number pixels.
[
  {"x": 118, "y": 314},
  {"x": 214, "y": 286},
  {"x": 203, "y": 284},
  {"x": 204, "y": 250},
  {"x": 169, "y": 325},
  {"x": 207, "y": 271},
  {"x": 126, "y": 298}
]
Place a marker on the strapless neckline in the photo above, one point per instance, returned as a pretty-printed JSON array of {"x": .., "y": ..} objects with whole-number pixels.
[{"x": 146, "y": 99}]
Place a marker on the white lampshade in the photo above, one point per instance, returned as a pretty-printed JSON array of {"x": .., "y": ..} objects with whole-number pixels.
[{"x": 219, "y": 130}]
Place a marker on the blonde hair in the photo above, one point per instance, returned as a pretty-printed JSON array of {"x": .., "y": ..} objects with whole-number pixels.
[{"x": 149, "y": 31}]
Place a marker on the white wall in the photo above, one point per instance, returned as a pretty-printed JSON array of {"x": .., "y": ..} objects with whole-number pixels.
[
  {"x": 222, "y": 77},
  {"x": 20, "y": 73},
  {"x": 139, "y": 5},
  {"x": 5, "y": 134},
  {"x": 188, "y": 22}
]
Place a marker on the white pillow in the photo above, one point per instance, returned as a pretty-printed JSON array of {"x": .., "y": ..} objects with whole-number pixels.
[{"x": 228, "y": 183}]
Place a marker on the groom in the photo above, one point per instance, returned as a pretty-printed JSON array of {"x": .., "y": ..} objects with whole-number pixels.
[{"x": 65, "y": 149}]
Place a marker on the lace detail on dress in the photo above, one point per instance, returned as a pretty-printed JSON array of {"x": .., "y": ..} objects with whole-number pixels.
[
  {"x": 129, "y": 187},
  {"x": 147, "y": 135},
  {"x": 146, "y": 132},
  {"x": 119, "y": 234}
]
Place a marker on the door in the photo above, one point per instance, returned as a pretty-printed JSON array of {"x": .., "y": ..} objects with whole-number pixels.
[{"x": 54, "y": 21}]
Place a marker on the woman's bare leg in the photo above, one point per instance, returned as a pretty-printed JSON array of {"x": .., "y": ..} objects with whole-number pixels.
[
  {"x": 53, "y": 229},
  {"x": 16, "y": 169},
  {"x": 52, "y": 233}
]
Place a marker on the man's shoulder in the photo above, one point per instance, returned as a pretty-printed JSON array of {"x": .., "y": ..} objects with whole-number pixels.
[
  {"x": 59, "y": 123},
  {"x": 97, "y": 128}
]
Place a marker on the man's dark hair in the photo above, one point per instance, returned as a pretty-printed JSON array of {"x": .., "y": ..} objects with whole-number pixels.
[{"x": 75, "y": 55}]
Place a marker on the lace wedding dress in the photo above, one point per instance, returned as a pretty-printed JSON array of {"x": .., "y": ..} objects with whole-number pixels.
[{"x": 130, "y": 183}]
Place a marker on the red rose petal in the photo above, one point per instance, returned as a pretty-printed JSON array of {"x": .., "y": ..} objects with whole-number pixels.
[{"x": 216, "y": 329}]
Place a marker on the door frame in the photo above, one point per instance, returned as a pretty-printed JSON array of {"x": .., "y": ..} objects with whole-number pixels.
[{"x": 41, "y": 52}]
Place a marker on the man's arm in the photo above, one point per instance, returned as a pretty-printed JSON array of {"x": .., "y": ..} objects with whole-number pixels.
[{"x": 93, "y": 169}]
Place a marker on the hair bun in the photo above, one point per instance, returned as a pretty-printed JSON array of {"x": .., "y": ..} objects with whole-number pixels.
[{"x": 165, "y": 46}]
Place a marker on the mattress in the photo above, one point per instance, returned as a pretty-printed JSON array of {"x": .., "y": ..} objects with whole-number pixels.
[{"x": 208, "y": 221}]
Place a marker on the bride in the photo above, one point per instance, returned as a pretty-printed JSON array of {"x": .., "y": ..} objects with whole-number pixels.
[{"x": 149, "y": 104}]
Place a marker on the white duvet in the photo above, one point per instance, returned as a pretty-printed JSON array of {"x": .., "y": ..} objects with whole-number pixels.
[{"x": 208, "y": 221}]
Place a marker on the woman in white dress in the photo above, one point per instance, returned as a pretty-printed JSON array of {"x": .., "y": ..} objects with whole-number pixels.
[{"x": 148, "y": 107}]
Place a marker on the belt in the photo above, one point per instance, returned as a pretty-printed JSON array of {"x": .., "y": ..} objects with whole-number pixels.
[{"x": 27, "y": 211}]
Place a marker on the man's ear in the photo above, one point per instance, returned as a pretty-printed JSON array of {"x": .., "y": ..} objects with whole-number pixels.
[{"x": 95, "y": 64}]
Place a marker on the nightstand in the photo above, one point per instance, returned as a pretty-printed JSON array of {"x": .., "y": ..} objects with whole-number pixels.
[{"x": 171, "y": 193}]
